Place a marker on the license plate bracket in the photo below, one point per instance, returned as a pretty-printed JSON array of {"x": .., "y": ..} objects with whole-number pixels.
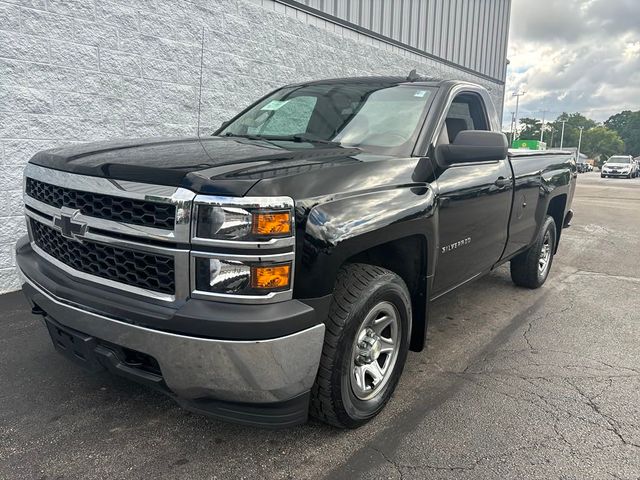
[{"x": 76, "y": 346}]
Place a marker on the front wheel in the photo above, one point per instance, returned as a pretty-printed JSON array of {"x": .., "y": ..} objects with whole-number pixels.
[
  {"x": 365, "y": 348},
  {"x": 531, "y": 268}
]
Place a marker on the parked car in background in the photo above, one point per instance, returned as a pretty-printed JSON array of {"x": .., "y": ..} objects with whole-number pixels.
[
  {"x": 620, "y": 166},
  {"x": 584, "y": 167}
]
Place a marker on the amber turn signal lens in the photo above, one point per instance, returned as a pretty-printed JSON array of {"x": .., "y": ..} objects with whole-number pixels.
[
  {"x": 272, "y": 223},
  {"x": 276, "y": 276}
]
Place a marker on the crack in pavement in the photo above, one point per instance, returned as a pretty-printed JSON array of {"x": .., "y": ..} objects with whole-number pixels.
[
  {"x": 399, "y": 467},
  {"x": 607, "y": 275},
  {"x": 389, "y": 460},
  {"x": 614, "y": 427},
  {"x": 612, "y": 424},
  {"x": 527, "y": 331},
  {"x": 575, "y": 355},
  {"x": 526, "y": 338},
  {"x": 548, "y": 407}
]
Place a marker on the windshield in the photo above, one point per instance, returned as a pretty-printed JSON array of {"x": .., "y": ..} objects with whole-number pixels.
[
  {"x": 378, "y": 117},
  {"x": 619, "y": 160}
]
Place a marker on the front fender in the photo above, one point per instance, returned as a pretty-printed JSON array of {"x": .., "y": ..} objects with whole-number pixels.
[{"x": 339, "y": 227}]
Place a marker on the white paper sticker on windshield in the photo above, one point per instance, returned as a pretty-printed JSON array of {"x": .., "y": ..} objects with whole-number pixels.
[
  {"x": 275, "y": 104},
  {"x": 420, "y": 93}
]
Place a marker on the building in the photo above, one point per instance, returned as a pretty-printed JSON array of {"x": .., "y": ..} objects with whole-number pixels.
[{"x": 82, "y": 70}]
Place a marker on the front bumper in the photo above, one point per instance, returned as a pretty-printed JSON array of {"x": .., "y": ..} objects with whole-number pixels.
[{"x": 261, "y": 381}]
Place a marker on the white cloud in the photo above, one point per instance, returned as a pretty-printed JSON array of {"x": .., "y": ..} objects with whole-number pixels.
[{"x": 574, "y": 55}]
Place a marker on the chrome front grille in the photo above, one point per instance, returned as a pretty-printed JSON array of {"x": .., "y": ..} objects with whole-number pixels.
[
  {"x": 124, "y": 235},
  {"x": 108, "y": 207}
]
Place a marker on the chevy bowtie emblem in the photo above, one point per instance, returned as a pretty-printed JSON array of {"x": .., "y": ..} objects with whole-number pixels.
[{"x": 68, "y": 226}]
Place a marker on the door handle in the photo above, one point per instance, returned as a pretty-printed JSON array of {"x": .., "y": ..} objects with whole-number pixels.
[{"x": 502, "y": 182}]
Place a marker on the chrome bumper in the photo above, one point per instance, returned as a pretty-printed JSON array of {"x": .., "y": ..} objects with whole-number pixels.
[{"x": 261, "y": 371}]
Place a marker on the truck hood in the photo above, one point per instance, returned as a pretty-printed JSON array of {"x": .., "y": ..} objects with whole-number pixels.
[{"x": 211, "y": 165}]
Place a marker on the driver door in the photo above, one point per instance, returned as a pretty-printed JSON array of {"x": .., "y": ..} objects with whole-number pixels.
[{"x": 474, "y": 203}]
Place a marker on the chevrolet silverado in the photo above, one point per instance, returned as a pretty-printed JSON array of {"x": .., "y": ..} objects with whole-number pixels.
[{"x": 284, "y": 266}]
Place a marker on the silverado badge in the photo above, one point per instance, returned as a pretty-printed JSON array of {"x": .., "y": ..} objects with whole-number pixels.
[{"x": 457, "y": 244}]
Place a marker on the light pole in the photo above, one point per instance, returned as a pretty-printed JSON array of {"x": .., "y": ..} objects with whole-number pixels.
[
  {"x": 517, "y": 95},
  {"x": 544, "y": 114},
  {"x": 579, "y": 143},
  {"x": 562, "y": 135},
  {"x": 513, "y": 119}
]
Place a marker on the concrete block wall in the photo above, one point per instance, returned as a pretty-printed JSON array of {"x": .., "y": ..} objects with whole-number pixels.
[{"x": 81, "y": 70}]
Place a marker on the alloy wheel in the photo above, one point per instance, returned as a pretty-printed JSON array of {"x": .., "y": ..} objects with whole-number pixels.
[{"x": 375, "y": 351}]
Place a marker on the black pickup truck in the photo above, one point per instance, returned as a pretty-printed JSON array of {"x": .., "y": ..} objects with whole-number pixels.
[{"x": 285, "y": 265}]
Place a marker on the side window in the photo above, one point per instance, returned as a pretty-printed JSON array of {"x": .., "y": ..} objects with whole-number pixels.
[
  {"x": 467, "y": 112},
  {"x": 287, "y": 117}
]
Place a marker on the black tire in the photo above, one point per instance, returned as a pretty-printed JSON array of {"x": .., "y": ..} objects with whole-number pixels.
[
  {"x": 525, "y": 268},
  {"x": 359, "y": 290}
]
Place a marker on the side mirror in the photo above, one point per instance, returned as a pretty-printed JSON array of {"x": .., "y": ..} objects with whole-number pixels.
[{"x": 473, "y": 146}]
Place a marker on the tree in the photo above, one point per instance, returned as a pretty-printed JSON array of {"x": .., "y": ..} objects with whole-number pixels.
[
  {"x": 600, "y": 143},
  {"x": 529, "y": 129},
  {"x": 571, "y": 129},
  {"x": 627, "y": 125}
]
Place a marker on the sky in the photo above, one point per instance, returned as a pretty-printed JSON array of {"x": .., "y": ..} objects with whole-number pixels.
[{"x": 574, "y": 56}]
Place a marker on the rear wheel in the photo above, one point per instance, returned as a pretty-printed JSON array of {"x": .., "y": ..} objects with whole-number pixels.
[
  {"x": 365, "y": 348},
  {"x": 531, "y": 268}
]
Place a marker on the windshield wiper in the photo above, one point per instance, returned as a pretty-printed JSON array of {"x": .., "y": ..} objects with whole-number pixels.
[
  {"x": 298, "y": 137},
  {"x": 304, "y": 137},
  {"x": 250, "y": 137}
]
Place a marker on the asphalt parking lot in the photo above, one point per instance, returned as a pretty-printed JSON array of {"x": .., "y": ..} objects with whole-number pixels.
[{"x": 514, "y": 384}]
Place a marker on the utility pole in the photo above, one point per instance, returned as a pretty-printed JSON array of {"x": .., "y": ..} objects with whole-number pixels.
[
  {"x": 553, "y": 134},
  {"x": 544, "y": 114},
  {"x": 517, "y": 95},
  {"x": 562, "y": 136},
  {"x": 579, "y": 143},
  {"x": 513, "y": 123}
]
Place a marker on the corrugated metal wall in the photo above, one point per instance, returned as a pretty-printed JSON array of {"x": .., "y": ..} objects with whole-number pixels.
[{"x": 470, "y": 33}]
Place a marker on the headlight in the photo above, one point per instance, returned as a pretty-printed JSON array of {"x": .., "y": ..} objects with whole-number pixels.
[
  {"x": 241, "y": 277},
  {"x": 226, "y": 223},
  {"x": 222, "y": 276},
  {"x": 246, "y": 221}
]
